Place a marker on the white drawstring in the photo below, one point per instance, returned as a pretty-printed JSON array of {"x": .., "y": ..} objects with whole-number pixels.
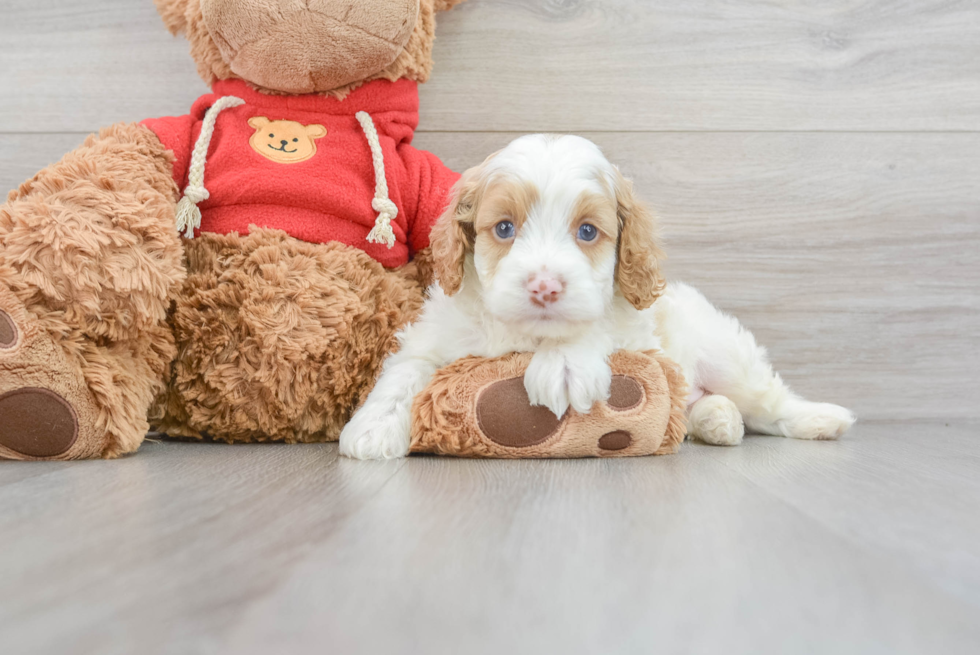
[
  {"x": 188, "y": 214},
  {"x": 387, "y": 210}
]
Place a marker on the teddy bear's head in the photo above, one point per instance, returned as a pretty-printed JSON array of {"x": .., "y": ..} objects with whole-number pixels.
[{"x": 307, "y": 46}]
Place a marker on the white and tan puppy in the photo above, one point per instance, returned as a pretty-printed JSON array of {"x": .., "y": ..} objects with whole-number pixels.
[{"x": 546, "y": 249}]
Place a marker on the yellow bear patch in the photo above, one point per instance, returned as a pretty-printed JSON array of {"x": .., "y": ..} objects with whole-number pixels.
[{"x": 284, "y": 142}]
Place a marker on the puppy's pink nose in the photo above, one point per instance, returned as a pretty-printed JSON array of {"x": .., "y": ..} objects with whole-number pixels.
[{"x": 544, "y": 288}]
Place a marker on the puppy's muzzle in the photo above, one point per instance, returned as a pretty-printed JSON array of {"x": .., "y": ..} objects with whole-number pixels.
[{"x": 545, "y": 288}]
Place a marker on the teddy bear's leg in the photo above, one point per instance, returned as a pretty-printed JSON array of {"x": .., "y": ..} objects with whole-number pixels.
[
  {"x": 279, "y": 339},
  {"x": 479, "y": 407},
  {"x": 90, "y": 261}
]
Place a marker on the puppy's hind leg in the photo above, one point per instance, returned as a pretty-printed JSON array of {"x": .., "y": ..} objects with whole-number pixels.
[
  {"x": 742, "y": 373},
  {"x": 716, "y": 420},
  {"x": 723, "y": 359}
]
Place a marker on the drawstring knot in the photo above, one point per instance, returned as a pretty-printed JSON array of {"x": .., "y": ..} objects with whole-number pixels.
[
  {"x": 188, "y": 213},
  {"x": 387, "y": 210}
]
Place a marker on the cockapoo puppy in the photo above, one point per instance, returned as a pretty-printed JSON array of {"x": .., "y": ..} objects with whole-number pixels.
[{"x": 546, "y": 249}]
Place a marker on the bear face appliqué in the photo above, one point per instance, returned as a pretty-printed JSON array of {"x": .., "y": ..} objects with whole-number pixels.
[{"x": 285, "y": 142}]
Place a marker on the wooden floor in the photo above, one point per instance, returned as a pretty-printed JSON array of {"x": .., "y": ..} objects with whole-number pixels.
[
  {"x": 868, "y": 545},
  {"x": 816, "y": 167}
]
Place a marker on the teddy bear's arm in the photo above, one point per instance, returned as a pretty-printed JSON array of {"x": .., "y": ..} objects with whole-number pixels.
[
  {"x": 433, "y": 182},
  {"x": 176, "y": 135}
]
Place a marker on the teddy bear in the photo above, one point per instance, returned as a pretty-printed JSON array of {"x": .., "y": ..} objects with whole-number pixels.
[
  {"x": 237, "y": 273},
  {"x": 240, "y": 273}
]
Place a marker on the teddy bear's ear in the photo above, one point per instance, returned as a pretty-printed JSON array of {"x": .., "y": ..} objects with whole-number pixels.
[
  {"x": 174, "y": 14},
  {"x": 258, "y": 122},
  {"x": 446, "y": 5},
  {"x": 316, "y": 131}
]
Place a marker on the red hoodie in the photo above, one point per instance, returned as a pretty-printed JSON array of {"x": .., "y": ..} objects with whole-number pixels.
[{"x": 303, "y": 164}]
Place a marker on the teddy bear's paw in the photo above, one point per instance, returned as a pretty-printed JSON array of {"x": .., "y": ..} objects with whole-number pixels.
[
  {"x": 46, "y": 409},
  {"x": 716, "y": 420},
  {"x": 507, "y": 417},
  {"x": 371, "y": 435}
]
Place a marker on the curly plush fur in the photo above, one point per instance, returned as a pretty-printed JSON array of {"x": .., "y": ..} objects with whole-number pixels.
[
  {"x": 89, "y": 248},
  {"x": 279, "y": 339}
]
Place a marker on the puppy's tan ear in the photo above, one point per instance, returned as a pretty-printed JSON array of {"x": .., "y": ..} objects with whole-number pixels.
[
  {"x": 452, "y": 235},
  {"x": 638, "y": 268}
]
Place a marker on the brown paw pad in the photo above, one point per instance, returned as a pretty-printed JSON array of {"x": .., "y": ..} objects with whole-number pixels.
[
  {"x": 37, "y": 423},
  {"x": 8, "y": 331},
  {"x": 618, "y": 440},
  {"x": 506, "y": 416},
  {"x": 625, "y": 393}
]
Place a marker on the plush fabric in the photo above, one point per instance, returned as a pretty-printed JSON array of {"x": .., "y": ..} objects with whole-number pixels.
[
  {"x": 90, "y": 262},
  {"x": 34, "y": 367},
  {"x": 343, "y": 42},
  {"x": 454, "y": 415},
  {"x": 413, "y": 62},
  {"x": 330, "y": 192},
  {"x": 279, "y": 339}
]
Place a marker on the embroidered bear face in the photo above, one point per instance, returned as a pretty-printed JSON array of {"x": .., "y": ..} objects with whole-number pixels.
[{"x": 285, "y": 142}]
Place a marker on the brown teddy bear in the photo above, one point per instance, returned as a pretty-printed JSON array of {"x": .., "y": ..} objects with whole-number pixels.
[{"x": 306, "y": 215}]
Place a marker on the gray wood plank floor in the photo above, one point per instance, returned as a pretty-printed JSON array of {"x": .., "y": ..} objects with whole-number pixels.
[
  {"x": 816, "y": 168},
  {"x": 868, "y": 545}
]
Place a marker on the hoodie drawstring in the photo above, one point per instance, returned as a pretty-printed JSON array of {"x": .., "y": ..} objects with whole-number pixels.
[
  {"x": 387, "y": 210},
  {"x": 188, "y": 214}
]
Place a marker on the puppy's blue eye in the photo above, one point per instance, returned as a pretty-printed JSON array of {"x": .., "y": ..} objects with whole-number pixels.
[
  {"x": 504, "y": 230},
  {"x": 587, "y": 232}
]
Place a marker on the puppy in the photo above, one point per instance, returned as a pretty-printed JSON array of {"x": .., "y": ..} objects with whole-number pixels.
[{"x": 546, "y": 249}]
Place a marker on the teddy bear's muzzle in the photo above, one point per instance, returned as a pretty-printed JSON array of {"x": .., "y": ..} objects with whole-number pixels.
[{"x": 309, "y": 46}]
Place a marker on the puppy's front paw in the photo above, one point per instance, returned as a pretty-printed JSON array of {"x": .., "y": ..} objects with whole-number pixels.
[
  {"x": 544, "y": 382},
  {"x": 384, "y": 436},
  {"x": 588, "y": 381}
]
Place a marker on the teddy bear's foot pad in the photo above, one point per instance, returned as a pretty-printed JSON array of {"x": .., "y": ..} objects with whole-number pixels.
[
  {"x": 506, "y": 416},
  {"x": 46, "y": 408},
  {"x": 8, "y": 331},
  {"x": 37, "y": 423},
  {"x": 480, "y": 408}
]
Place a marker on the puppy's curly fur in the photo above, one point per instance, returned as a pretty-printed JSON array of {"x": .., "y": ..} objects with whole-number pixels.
[{"x": 570, "y": 271}]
